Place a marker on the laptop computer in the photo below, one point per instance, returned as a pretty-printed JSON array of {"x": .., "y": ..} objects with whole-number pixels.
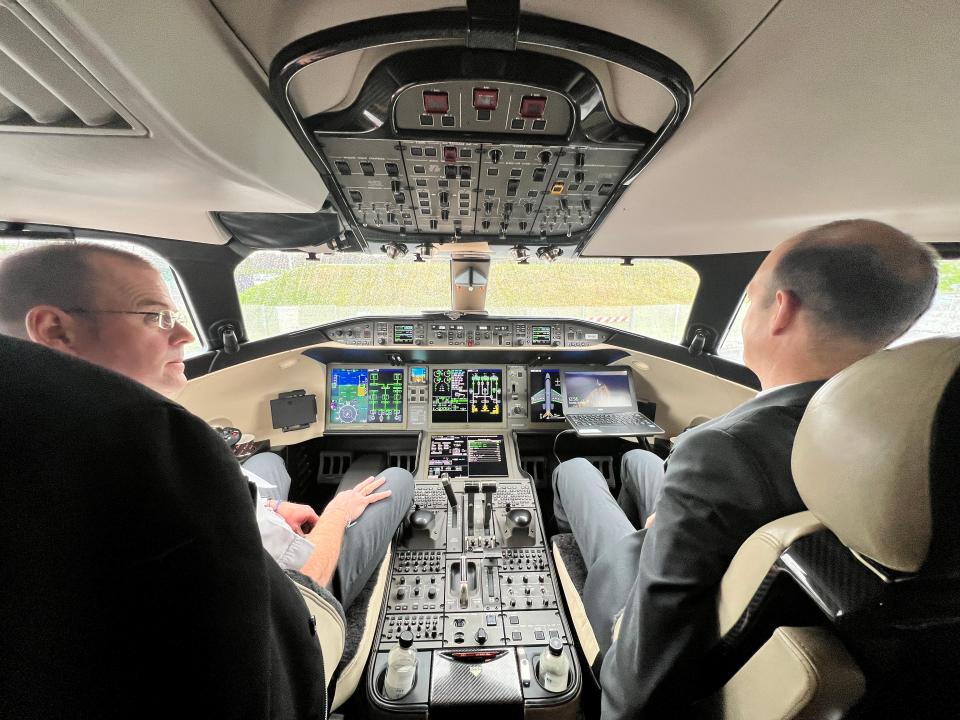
[{"x": 603, "y": 402}]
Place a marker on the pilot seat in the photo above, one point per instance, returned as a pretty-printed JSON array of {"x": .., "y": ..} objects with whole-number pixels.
[{"x": 852, "y": 608}]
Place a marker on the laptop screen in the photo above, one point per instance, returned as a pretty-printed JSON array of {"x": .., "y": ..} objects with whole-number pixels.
[{"x": 598, "y": 390}]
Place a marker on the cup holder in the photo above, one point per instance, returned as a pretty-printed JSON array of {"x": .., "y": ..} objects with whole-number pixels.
[
  {"x": 536, "y": 674},
  {"x": 382, "y": 676}
]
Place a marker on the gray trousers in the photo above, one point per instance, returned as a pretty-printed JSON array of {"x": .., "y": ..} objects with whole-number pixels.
[
  {"x": 582, "y": 503},
  {"x": 366, "y": 541}
]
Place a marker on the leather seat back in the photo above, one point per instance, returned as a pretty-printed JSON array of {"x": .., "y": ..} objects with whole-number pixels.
[{"x": 877, "y": 556}]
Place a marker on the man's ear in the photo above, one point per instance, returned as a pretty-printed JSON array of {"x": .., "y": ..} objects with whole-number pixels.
[
  {"x": 787, "y": 310},
  {"x": 49, "y": 325}
]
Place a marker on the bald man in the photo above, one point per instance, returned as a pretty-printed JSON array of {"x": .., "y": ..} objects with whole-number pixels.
[{"x": 819, "y": 302}]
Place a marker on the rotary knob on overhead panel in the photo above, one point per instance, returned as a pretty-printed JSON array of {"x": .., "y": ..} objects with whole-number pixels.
[{"x": 495, "y": 156}]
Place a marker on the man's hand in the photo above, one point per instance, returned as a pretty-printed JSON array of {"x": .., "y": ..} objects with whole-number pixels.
[
  {"x": 350, "y": 504},
  {"x": 300, "y": 518},
  {"x": 649, "y": 523}
]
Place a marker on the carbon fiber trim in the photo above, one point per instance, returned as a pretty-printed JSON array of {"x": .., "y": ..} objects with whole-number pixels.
[{"x": 496, "y": 682}]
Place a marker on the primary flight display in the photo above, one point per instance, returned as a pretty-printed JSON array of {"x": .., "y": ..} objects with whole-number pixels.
[{"x": 366, "y": 395}]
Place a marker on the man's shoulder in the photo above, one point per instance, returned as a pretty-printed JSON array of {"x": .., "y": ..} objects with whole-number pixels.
[
  {"x": 766, "y": 415},
  {"x": 44, "y": 381}
]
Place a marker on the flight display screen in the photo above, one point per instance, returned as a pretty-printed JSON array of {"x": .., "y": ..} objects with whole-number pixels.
[
  {"x": 475, "y": 456},
  {"x": 403, "y": 334},
  {"x": 598, "y": 389},
  {"x": 460, "y": 395},
  {"x": 366, "y": 395},
  {"x": 546, "y": 395},
  {"x": 540, "y": 335}
]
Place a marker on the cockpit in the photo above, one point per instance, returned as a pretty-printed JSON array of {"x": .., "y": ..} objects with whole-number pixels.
[{"x": 475, "y": 241}]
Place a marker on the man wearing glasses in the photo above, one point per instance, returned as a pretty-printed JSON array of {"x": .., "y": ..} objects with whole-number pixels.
[{"x": 112, "y": 308}]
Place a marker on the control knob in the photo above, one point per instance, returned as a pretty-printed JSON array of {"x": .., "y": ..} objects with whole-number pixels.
[
  {"x": 495, "y": 156},
  {"x": 481, "y": 636},
  {"x": 432, "y": 593},
  {"x": 544, "y": 157}
]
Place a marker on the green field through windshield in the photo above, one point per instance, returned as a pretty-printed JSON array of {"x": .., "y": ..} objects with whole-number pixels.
[{"x": 281, "y": 292}]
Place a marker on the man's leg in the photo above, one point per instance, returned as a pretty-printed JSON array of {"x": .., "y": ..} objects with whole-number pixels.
[
  {"x": 270, "y": 468},
  {"x": 641, "y": 474},
  {"x": 365, "y": 543},
  {"x": 583, "y": 504}
]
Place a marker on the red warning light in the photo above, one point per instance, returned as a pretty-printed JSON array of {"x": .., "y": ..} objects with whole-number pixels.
[
  {"x": 435, "y": 103},
  {"x": 532, "y": 106},
  {"x": 485, "y": 98}
]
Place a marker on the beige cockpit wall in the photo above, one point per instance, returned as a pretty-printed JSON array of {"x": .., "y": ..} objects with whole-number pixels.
[{"x": 240, "y": 396}]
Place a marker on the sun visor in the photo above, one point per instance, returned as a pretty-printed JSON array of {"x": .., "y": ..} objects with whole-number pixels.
[{"x": 285, "y": 231}]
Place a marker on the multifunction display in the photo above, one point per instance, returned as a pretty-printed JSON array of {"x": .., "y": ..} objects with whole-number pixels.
[
  {"x": 474, "y": 456},
  {"x": 546, "y": 395},
  {"x": 460, "y": 395},
  {"x": 366, "y": 395},
  {"x": 403, "y": 334},
  {"x": 540, "y": 335}
]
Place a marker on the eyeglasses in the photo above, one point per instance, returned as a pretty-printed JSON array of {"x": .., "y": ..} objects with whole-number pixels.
[{"x": 165, "y": 319}]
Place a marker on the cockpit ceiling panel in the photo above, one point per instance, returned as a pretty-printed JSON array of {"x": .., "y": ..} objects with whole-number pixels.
[{"x": 453, "y": 142}]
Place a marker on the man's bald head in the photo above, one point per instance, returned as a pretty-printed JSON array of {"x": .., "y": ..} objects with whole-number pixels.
[
  {"x": 859, "y": 279},
  {"x": 64, "y": 275}
]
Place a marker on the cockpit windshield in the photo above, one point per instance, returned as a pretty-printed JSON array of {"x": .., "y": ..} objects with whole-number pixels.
[{"x": 282, "y": 292}]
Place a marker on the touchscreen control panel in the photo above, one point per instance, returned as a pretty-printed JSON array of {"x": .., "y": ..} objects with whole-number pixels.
[{"x": 473, "y": 456}]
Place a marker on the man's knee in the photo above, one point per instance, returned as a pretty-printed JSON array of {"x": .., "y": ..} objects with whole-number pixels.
[
  {"x": 573, "y": 475},
  {"x": 636, "y": 462},
  {"x": 401, "y": 485}
]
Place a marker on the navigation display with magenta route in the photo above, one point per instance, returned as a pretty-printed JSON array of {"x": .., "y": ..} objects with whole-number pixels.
[
  {"x": 474, "y": 456},
  {"x": 461, "y": 395},
  {"x": 366, "y": 395},
  {"x": 546, "y": 395}
]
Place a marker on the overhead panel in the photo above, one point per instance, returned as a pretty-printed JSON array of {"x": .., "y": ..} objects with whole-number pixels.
[{"x": 504, "y": 144}]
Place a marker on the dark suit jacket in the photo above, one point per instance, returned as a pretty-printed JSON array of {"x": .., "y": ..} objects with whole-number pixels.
[
  {"x": 133, "y": 581},
  {"x": 724, "y": 479}
]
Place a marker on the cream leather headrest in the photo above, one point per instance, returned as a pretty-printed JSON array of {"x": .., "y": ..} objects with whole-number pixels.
[{"x": 861, "y": 459}]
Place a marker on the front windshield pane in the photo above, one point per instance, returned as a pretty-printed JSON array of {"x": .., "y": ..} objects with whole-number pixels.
[{"x": 282, "y": 292}]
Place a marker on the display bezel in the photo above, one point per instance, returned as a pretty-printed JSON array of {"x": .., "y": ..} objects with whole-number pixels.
[
  {"x": 479, "y": 426},
  {"x": 330, "y": 426}
]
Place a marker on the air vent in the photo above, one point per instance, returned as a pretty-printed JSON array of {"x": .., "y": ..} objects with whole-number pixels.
[
  {"x": 604, "y": 463},
  {"x": 333, "y": 465},
  {"x": 407, "y": 461},
  {"x": 43, "y": 88}
]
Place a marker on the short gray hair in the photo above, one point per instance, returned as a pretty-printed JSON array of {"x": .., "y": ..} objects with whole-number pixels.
[
  {"x": 864, "y": 279},
  {"x": 57, "y": 274}
]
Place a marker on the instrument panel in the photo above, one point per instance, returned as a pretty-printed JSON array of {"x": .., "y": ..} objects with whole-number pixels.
[
  {"x": 445, "y": 397},
  {"x": 494, "y": 332}
]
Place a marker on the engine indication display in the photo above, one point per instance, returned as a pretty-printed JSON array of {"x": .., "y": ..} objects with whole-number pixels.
[
  {"x": 546, "y": 395},
  {"x": 366, "y": 396},
  {"x": 462, "y": 395}
]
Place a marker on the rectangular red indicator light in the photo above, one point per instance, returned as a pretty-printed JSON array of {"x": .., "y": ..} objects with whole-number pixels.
[
  {"x": 532, "y": 106},
  {"x": 435, "y": 103},
  {"x": 449, "y": 154},
  {"x": 485, "y": 99}
]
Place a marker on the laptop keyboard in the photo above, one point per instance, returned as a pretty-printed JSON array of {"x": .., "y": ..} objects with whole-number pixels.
[{"x": 626, "y": 418}]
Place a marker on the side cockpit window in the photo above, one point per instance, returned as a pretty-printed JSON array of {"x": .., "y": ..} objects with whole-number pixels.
[
  {"x": 11, "y": 246},
  {"x": 943, "y": 317}
]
